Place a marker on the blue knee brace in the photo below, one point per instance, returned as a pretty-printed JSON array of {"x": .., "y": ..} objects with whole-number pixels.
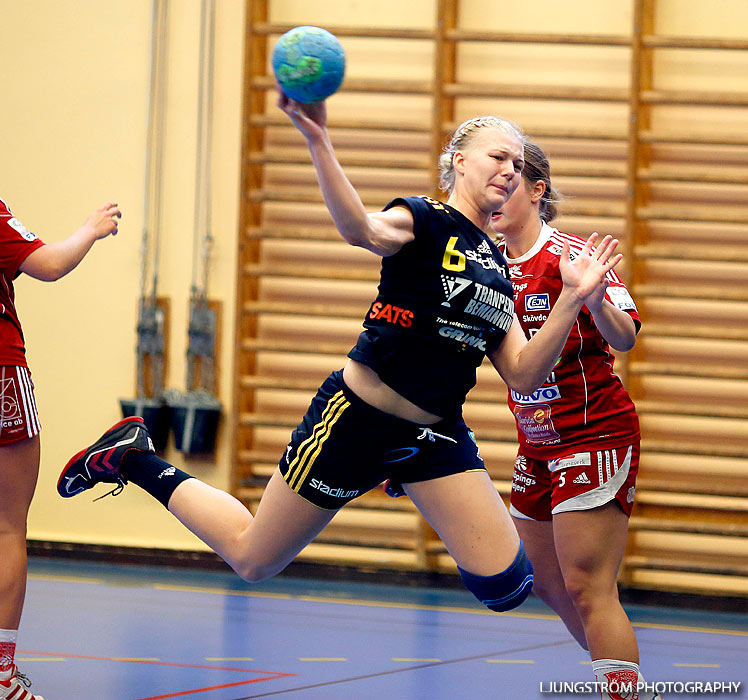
[{"x": 505, "y": 590}]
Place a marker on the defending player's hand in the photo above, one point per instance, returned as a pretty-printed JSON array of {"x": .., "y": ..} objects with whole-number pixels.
[
  {"x": 104, "y": 221},
  {"x": 585, "y": 273},
  {"x": 310, "y": 119}
]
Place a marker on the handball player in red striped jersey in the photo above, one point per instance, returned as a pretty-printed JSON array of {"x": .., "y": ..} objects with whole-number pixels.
[{"x": 22, "y": 252}]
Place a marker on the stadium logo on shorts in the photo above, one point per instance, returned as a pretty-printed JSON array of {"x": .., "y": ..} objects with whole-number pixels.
[{"x": 330, "y": 491}]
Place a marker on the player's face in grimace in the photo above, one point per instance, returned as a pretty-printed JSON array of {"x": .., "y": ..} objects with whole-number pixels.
[{"x": 491, "y": 166}]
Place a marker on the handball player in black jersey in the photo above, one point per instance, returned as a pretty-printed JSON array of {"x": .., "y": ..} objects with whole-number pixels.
[{"x": 394, "y": 412}]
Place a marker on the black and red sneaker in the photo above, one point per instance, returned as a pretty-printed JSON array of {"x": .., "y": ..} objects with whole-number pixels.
[{"x": 100, "y": 463}]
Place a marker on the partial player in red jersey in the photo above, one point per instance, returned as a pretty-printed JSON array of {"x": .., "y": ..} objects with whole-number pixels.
[
  {"x": 575, "y": 474},
  {"x": 22, "y": 252}
]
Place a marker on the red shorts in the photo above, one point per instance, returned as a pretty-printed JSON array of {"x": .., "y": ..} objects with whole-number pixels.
[
  {"x": 574, "y": 481},
  {"x": 18, "y": 417}
]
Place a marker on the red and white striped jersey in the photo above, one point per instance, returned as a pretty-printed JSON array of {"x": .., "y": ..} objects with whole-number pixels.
[
  {"x": 583, "y": 400},
  {"x": 16, "y": 244}
]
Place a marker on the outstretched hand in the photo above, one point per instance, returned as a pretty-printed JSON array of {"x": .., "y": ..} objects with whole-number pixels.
[
  {"x": 585, "y": 274},
  {"x": 309, "y": 118},
  {"x": 104, "y": 220}
]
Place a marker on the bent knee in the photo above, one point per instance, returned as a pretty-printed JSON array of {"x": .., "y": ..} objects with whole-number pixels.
[
  {"x": 254, "y": 572},
  {"x": 549, "y": 592},
  {"x": 506, "y": 590},
  {"x": 588, "y": 591}
]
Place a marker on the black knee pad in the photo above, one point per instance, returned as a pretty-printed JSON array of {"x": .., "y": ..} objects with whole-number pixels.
[{"x": 505, "y": 590}]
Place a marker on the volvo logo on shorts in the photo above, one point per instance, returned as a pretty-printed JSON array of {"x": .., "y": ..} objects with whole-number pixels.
[
  {"x": 545, "y": 393},
  {"x": 537, "y": 302}
]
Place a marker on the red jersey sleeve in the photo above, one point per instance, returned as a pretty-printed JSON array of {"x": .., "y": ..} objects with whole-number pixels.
[
  {"x": 16, "y": 242},
  {"x": 619, "y": 296}
]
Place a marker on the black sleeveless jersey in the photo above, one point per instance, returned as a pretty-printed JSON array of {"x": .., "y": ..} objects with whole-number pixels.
[{"x": 444, "y": 301}]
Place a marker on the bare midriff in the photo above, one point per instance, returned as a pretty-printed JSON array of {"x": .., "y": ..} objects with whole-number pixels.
[{"x": 366, "y": 384}]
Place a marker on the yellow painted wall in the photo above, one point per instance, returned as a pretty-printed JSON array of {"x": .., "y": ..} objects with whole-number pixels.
[{"x": 73, "y": 136}]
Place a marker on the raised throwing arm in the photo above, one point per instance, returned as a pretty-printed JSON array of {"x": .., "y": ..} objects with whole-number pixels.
[{"x": 383, "y": 233}]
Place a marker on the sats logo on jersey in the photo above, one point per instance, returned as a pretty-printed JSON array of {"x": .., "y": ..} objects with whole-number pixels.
[
  {"x": 537, "y": 302},
  {"x": 391, "y": 314}
]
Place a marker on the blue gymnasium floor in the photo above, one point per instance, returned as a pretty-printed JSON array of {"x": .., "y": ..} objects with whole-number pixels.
[{"x": 108, "y": 632}]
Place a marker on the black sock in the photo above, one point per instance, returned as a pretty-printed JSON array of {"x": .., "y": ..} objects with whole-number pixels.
[{"x": 152, "y": 474}]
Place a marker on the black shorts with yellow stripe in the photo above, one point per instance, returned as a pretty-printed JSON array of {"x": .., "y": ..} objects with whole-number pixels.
[{"x": 344, "y": 447}]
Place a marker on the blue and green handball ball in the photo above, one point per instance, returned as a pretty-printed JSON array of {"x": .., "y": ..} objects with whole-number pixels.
[{"x": 309, "y": 64}]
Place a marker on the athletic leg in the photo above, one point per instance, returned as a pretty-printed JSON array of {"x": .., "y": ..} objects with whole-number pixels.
[
  {"x": 258, "y": 546},
  {"x": 19, "y": 470},
  {"x": 470, "y": 517},
  {"x": 530, "y": 508},
  {"x": 590, "y": 546},
  {"x": 549, "y": 586},
  {"x": 255, "y": 547}
]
